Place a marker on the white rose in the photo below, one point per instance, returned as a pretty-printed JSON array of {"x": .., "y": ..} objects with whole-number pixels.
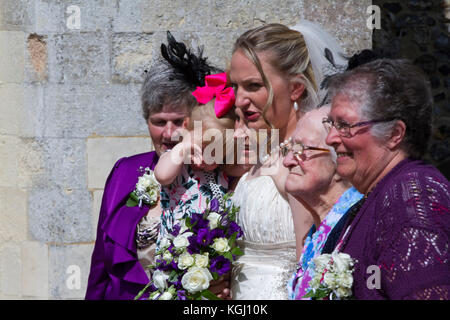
[
  {"x": 196, "y": 279},
  {"x": 343, "y": 292},
  {"x": 330, "y": 280},
  {"x": 345, "y": 280},
  {"x": 160, "y": 279},
  {"x": 321, "y": 261},
  {"x": 181, "y": 241},
  {"x": 342, "y": 261},
  {"x": 164, "y": 243},
  {"x": 167, "y": 256},
  {"x": 185, "y": 260},
  {"x": 213, "y": 218},
  {"x": 201, "y": 260},
  {"x": 165, "y": 296},
  {"x": 221, "y": 245}
]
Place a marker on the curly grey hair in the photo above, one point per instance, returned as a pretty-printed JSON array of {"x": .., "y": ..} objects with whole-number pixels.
[
  {"x": 164, "y": 86},
  {"x": 390, "y": 89}
]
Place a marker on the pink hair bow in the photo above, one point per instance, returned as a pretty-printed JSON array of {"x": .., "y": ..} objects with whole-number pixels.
[{"x": 215, "y": 87}]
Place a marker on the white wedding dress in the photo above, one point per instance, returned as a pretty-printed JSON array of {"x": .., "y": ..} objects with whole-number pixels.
[{"x": 269, "y": 259}]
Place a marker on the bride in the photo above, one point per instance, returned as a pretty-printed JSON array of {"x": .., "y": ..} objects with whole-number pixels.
[{"x": 276, "y": 72}]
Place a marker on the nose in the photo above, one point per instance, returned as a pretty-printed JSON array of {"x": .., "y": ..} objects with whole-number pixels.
[
  {"x": 169, "y": 129},
  {"x": 289, "y": 160},
  {"x": 242, "y": 101},
  {"x": 333, "y": 138}
]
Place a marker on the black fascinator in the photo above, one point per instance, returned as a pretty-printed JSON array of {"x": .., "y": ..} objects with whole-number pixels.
[{"x": 193, "y": 67}]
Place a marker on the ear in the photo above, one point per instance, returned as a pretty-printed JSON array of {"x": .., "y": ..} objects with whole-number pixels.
[
  {"x": 397, "y": 135},
  {"x": 297, "y": 87}
]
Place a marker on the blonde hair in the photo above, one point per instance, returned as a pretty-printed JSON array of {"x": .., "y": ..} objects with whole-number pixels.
[
  {"x": 292, "y": 52},
  {"x": 207, "y": 115}
]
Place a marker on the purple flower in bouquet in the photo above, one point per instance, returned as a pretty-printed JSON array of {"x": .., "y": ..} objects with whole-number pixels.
[
  {"x": 204, "y": 237},
  {"x": 221, "y": 265},
  {"x": 214, "y": 205},
  {"x": 198, "y": 222},
  {"x": 234, "y": 227},
  {"x": 181, "y": 294}
]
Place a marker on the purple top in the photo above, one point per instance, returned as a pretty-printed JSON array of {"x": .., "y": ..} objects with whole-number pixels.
[
  {"x": 403, "y": 229},
  {"x": 116, "y": 273}
]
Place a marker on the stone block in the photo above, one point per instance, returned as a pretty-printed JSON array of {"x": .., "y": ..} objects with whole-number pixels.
[
  {"x": 132, "y": 54},
  {"x": 12, "y": 61},
  {"x": 35, "y": 270},
  {"x": 176, "y": 15},
  {"x": 81, "y": 111},
  {"x": 128, "y": 16},
  {"x": 16, "y": 15},
  {"x": 63, "y": 164},
  {"x": 13, "y": 215},
  {"x": 103, "y": 153},
  {"x": 345, "y": 20},
  {"x": 69, "y": 270},
  {"x": 59, "y": 215},
  {"x": 79, "y": 58},
  {"x": 11, "y": 270}
]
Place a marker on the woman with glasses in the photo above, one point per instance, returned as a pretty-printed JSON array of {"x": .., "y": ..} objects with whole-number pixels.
[
  {"x": 313, "y": 181},
  {"x": 379, "y": 125}
]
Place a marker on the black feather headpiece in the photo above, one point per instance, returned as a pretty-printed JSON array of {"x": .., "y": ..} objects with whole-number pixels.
[{"x": 193, "y": 67}]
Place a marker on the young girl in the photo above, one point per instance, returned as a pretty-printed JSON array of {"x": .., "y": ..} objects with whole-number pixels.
[{"x": 188, "y": 178}]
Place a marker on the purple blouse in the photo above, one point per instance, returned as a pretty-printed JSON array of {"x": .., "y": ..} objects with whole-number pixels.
[
  {"x": 402, "y": 229},
  {"x": 116, "y": 273}
]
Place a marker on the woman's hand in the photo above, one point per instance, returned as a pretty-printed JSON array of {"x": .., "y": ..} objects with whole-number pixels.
[{"x": 221, "y": 287}]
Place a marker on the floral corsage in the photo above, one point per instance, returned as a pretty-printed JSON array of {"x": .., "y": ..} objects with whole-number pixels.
[
  {"x": 147, "y": 190},
  {"x": 332, "y": 278},
  {"x": 198, "y": 250}
]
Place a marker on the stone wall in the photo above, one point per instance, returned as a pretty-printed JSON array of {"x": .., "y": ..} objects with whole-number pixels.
[{"x": 69, "y": 108}]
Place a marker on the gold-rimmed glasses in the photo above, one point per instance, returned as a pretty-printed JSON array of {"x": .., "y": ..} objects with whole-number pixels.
[{"x": 298, "y": 149}]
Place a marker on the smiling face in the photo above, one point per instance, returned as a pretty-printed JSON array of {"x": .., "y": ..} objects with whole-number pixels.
[
  {"x": 361, "y": 157},
  {"x": 310, "y": 174},
  {"x": 162, "y": 126},
  {"x": 252, "y": 94}
]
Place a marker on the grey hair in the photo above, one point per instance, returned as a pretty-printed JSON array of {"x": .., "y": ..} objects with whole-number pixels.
[
  {"x": 164, "y": 86},
  {"x": 390, "y": 89}
]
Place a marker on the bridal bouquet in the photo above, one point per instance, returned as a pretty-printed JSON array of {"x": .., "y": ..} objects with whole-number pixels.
[
  {"x": 332, "y": 277},
  {"x": 198, "y": 250}
]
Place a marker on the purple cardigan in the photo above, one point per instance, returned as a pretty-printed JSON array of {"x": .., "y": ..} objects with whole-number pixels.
[
  {"x": 116, "y": 273},
  {"x": 403, "y": 228}
]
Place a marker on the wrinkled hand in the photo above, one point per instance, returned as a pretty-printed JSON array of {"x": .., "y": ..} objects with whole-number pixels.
[{"x": 221, "y": 287}]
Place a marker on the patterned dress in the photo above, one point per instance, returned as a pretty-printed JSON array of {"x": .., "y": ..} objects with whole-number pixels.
[
  {"x": 188, "y": 194},
  {"x": 298, "y": 286}
]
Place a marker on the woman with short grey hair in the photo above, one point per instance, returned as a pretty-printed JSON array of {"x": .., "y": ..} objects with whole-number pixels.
[{"x": 379, "y": 125}]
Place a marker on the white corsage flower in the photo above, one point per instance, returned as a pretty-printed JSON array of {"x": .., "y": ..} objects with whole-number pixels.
[
  {"x": 185, "y": 260},
  {"x": 196, "y": 279},
  {"x": 160, "y": 279},
  {"x": 214, "y": 219},
  {"x": 221, "y": 245},
  {"x": 181, "y": 241},
  {"x": 201, "y": 260}
]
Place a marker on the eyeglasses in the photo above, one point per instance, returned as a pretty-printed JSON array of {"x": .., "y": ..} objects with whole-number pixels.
[
  {"x": 344, "y": 128},
  {"x": 298, "y": 149}
]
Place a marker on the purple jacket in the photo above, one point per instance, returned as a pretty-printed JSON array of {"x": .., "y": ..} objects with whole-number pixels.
[
  {"x": 116, "y": 273},
  {"x": 403, "y": 229}
]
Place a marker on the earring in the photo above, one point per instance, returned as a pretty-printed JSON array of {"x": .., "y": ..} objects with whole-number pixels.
[{"x": 295, "y": 106}]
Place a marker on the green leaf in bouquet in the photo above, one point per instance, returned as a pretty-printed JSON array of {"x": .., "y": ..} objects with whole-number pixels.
[
  {"x": 232, "y": 239},
  {"x": 237, "y": 251},
  {"x": 209, "y": 295},
  {"x": 173, "y": 276},
  {"x": 228, "y": 255},
  {"x": 215, "y": 275},
  {"x": 131, "y": 203}
]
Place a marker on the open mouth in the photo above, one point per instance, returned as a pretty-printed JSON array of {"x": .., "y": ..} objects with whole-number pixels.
[
  {"x": 344, "y": 155},
  {"x": 168, "y": 145},
  {"x": 252, "y": 115}
]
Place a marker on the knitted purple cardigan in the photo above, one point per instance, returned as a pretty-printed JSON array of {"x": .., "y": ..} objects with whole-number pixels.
[{"x": 403, "y": 229}]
